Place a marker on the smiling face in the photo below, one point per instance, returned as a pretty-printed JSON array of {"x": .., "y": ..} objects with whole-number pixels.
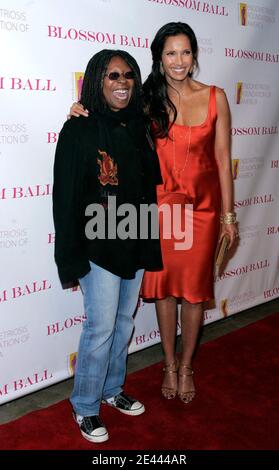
[
  {"x": 117, "y": 93},
  {"x": 177, "y": 58}
]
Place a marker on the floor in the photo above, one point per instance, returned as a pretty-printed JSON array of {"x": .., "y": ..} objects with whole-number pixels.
[{"x": 136, "y": 361}]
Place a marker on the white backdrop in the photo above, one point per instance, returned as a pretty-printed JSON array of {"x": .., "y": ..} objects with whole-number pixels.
[{"x": 45, "y": 46}]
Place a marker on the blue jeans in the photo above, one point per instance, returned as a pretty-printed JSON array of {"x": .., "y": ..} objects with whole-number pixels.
[{"x": 109, "y": 303}]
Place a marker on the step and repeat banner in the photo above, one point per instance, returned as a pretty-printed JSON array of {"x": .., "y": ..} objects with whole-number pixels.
[{"x": 45, "y": 46}]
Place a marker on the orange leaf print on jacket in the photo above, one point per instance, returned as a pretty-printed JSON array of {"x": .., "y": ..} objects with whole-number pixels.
[{"x": 108, "y": 170}]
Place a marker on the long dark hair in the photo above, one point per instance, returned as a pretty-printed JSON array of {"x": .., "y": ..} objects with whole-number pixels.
[
  {"x": 156, "y": 99},
  {"x": 92, "y": 97}
]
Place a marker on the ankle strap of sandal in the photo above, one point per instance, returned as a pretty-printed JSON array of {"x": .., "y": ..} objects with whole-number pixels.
[
  {"x": 183, "y": 366},
  {"x": 172, "y": 367}
]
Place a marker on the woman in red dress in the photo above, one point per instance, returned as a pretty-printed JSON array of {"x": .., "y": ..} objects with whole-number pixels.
[{"x": 191, "y": 124}]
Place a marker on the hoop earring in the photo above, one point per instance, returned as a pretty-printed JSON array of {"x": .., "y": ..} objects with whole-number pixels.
[{"x": 192, "y": 70}]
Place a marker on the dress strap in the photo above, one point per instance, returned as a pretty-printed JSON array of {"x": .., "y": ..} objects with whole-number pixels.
[{"x": 212, "y": 102}]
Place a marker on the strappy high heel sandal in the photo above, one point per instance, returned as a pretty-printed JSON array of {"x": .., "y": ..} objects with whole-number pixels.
[
  {"x": 189, "y": 395},
  {"x": 170, "y": 371}
]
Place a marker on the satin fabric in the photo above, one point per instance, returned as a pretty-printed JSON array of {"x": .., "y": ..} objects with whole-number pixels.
[{"x": 188, "y": 273}]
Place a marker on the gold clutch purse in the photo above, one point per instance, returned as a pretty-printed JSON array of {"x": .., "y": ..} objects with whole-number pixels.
[{"x": 220, "y": 254}]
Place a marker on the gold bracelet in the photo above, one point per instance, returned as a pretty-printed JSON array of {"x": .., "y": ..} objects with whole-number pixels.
[{"x": 229, "y": 218}]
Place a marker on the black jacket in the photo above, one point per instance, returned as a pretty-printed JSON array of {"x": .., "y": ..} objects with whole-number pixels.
[{"x": 84, "y": 174}]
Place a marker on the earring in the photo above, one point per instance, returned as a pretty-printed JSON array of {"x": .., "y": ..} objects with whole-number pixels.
[
  {"x": 192, "y": 70},
  {"x": 162, "y": 72}
]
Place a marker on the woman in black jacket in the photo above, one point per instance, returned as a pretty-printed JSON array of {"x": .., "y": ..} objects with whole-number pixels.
[{"x": 105, "y": 166}]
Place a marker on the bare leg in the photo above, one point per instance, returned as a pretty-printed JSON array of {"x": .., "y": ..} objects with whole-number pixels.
[
  {"x": 191, "y": 318},
  {"x": 167, "y": 321}
]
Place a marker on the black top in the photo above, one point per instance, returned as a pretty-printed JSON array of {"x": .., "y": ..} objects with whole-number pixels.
[{"x": 97, "y": 157}]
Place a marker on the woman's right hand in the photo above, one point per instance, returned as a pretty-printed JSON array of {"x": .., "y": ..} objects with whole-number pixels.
[{"x": 78, "y": 110}]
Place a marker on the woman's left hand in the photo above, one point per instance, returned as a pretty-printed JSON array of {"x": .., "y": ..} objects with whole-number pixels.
[{"x": 231, "y": 231}]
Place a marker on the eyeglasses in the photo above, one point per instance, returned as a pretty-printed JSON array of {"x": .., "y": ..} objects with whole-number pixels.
[{"x": 130, "y": 75}]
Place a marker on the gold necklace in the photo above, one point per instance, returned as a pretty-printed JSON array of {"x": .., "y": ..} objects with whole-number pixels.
[{"x": 176, "y": 170}]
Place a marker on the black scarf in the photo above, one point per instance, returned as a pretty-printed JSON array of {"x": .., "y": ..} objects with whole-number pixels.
[
  {"x": 124, "y": 136},
  {"x": 121, "y": 135},
  {"x": 129, "y": 118}
]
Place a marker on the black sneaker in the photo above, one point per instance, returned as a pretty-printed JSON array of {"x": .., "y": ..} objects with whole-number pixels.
[
  {"x": 91, "y": 427},
  {"x": 126, "y": 404}
]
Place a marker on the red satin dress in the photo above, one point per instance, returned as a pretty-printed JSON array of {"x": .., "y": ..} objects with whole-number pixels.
[{"x": 190, "y": 176}]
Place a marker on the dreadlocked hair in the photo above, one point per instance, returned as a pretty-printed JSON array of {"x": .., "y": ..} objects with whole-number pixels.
[{"x": 92, "y": 97}]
